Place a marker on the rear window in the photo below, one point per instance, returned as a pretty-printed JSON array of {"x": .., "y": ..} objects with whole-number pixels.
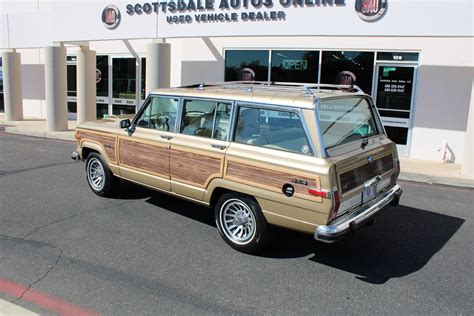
[{"x": 346, "y": 120}]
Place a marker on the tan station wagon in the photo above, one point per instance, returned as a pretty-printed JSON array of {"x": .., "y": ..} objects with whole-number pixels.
[{"x": 312, "y": 158}]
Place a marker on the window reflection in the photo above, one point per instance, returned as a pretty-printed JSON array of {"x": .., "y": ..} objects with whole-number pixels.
[
  {"x": 247, "y": 65},
  {"x": 341, "y": 67}
]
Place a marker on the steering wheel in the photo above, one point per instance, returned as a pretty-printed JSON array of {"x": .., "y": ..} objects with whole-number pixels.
[{"x": 161, "y": 122}]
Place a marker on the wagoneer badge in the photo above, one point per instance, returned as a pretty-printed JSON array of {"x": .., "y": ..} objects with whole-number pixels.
[
  {"x": 371, "y": 10},
  {"x": 111, "y": 17}
]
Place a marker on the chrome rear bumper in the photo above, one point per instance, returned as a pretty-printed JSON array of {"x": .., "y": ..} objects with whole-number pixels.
[{"x": 346, "y": 223}]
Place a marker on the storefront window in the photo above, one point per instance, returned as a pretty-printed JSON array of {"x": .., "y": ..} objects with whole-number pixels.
[
  {"x": 399, "y": 135},
  {"x": 102, "y": 109},
  {"x": 102, "y": 76},
  {"x": 71, "y": 80},
  {"x": 124, "y": 78},
  {"x": 2, "y": 104},
  {"x": 248, "y": 65},
  {"x": 72, "y": 107},
  {"x": 341, "y": 67},
  {"x": 295, "y": 66},
  {"x": 120, "y": 109}
]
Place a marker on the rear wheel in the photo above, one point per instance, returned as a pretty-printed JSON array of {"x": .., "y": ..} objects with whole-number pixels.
[
  {"x": 241, "y": 223},
  {"x": 100, "y": 178}
]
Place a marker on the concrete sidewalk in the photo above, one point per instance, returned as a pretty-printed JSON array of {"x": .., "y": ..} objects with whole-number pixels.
[{"x": 411, "y": 169}]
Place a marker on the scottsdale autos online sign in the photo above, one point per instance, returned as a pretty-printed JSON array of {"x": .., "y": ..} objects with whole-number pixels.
[{"x": 205, "y": 11}]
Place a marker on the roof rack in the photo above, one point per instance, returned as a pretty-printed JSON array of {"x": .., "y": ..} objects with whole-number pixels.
[{"x": 250, "y": 86}]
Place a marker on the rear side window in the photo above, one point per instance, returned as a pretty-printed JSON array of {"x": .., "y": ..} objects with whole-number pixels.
[
  {"x": 346, "y": 120},
  {"x": 273, "y": 129},
  {"x": 206, "y": 118}
]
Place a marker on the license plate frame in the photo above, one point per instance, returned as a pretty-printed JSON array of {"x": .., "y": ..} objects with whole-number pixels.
[{"x": 369, "y": 193}]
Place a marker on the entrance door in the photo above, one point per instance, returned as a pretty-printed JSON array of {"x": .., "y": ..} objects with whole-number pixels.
[
  {"x": 124, "y": 85},
  {"x": 394, "y": 99}
]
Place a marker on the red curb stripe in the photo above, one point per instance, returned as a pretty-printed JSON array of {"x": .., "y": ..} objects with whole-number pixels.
[{"x": 47, "y": 302}]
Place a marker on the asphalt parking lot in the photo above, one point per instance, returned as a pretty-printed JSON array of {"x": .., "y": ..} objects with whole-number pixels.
[{"x": 148, "y": 253}]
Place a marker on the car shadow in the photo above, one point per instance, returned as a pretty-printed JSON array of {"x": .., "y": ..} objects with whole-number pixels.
[
  {"x": 131, "y": 191},
  {"x": 182, "y": 207},
  {"x": 401, "y": 241}
]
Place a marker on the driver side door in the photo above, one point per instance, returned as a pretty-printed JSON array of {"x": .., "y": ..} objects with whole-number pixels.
[{"x": 144, "y": 155}]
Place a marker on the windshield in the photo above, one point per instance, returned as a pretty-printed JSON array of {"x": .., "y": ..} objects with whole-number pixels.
[{"x": 345, "y": 120}]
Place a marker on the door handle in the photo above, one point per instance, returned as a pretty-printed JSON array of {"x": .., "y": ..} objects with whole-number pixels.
[
  {"x": 166, "y": 137},
  {"x": 221, "y": 147}
]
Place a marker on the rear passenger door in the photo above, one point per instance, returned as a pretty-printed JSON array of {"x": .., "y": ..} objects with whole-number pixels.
[
  {"x": 272, "y": 153},
  {"x": 198, "y": 150}
]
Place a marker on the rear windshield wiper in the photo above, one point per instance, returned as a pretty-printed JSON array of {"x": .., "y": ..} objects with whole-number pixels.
[{"x": 365, "y": 140}]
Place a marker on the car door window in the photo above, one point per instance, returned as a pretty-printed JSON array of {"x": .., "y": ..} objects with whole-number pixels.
[
  {"x": 160, "y": 113},
  {"x": 206, "y": 118}
]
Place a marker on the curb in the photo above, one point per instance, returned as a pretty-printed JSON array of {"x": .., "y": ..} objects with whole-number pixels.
[
  {"x": 429, "y": 179},
  {"x": 69, "y": 136}
]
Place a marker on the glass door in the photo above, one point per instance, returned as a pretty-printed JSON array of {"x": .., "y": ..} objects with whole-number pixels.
[
  {"x": 2, "y": 106},
  {"x": 71, "y": 83},
  {"x": 102, "y": 99},
  {"x": 124, "y": 85},
  {"x": 394, "y": 99}
]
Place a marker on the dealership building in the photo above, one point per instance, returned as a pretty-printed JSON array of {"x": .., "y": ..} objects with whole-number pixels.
[{"x": 85, "y": 59}]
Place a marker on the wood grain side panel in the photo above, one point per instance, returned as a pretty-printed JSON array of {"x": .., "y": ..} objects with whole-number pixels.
[
  {"x": 194, "y": 168},
  {"x": 150, "y": 158},
  {"x": 108, "y": 142},
  {"x": 270, "y": 180}
]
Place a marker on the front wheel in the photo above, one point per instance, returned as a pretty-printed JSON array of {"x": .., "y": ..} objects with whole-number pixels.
[
  {"x": 241, "y": 223},
  {"x": 100, "y": 178}
]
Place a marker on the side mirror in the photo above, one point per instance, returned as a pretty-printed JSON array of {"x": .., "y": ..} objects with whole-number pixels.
[{"x": 125, "y": 123}]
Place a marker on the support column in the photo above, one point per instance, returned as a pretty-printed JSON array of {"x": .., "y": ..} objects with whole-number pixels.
[
  {"x": 12, "y": 86},
  {"x": 467, "y": 168},
  {"x": 86, "y": 85},
  {"x": 55, "y": 84},
  {"x": 158, "y": 60}
]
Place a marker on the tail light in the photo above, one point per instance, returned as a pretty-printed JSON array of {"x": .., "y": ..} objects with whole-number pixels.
[
  {"x": 326, "y": 194},
  {"x": 316, "y": 192},
  {"x": 394, "y": 176},
  {"x": 337, "y": 203}
]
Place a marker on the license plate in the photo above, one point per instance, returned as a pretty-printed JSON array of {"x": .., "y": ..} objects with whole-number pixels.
[{"x": 368, "y": 194}]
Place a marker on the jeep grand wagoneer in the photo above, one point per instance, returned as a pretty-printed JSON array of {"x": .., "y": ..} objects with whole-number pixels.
[{"x": 312, "y": 158}]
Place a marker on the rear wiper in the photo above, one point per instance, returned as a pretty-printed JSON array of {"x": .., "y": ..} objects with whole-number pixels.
[{"x": 365, "y": 140}]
